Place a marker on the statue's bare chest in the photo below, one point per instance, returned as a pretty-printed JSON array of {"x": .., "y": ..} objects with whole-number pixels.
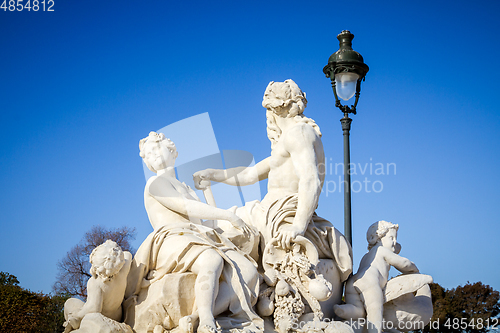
[{"x": 279, "y": 156}]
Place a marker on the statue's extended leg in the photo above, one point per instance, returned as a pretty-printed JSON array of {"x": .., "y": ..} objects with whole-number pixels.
[
  {"x": 349, "y": 311},
  {"x": 72, "y": 305},
  {"x": 223, "y": 298},
  {"x": 354, "y": 307},
  {"x": 208, "y": 268},
  {"x": 248, "y": 273},
  {"x": 374, "y": 305}
]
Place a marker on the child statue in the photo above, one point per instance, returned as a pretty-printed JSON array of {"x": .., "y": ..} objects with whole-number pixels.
[
  {"x": 105, "y": 291},
  {"x": 365, "y": 290}
]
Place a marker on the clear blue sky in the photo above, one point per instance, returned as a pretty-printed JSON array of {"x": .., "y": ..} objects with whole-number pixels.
[{"x": 80, "y": 86}]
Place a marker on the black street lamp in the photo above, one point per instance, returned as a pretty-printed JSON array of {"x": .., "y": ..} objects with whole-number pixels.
[{"x": 346, "y": 70}]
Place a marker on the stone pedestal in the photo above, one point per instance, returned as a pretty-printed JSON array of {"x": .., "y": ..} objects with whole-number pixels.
[{"x": 163, "y": 304}]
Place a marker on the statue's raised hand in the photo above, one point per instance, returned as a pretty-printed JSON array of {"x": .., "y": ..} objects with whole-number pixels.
[{"x": 202, "y": 178}]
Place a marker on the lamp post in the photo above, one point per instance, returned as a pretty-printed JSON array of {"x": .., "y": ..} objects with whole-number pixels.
[{"x": 346, "y": 70}]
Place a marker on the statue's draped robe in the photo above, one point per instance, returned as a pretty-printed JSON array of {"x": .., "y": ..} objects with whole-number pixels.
[
  {"x": 329, "y": 242},
  {"x": 174, "y": 248}
]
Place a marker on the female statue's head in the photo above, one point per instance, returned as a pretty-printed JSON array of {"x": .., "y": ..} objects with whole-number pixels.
[{"x": 157, "y": 151}]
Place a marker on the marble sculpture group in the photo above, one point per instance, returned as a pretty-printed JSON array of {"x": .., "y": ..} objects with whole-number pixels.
[{"x": 269, "y": 266}]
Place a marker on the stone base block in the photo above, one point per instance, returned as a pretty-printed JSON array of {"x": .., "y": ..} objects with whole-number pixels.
[
  {"x": 97, "y": 323},
  {"x": 163, "y": 303}
]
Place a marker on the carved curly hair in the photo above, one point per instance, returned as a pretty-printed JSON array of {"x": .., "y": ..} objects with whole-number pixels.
[
  {"x": 378, "y": 230},
  {"x": 159, "y": 138},
  {"x": 285, "y": 99},
  {"x": 107, "y": 259}
]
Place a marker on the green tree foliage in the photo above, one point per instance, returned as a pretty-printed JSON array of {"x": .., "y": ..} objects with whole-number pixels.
[
  {"x": 73, "y": 269},
  {"x": 7, "y": 279},
  {"x": 24, "y": 311},
  {"x": 472, "y": 308}
]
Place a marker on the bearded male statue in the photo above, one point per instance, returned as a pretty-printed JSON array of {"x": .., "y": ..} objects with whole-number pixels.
[{"x": 295, "y": 173}]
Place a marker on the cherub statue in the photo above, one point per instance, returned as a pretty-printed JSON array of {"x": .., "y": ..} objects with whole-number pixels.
[
  {"x": 365, "y": 290},
  {"x": 105, "y": 291}
]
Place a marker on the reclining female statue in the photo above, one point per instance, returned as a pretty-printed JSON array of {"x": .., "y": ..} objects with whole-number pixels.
[{"x": 226, "y": 278}]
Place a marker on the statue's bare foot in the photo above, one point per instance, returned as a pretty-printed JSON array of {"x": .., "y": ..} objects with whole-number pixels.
[
  {"x": 207, "y": 329},
  {"x": 67, "y": 327},
  {"x": 186, "y": 324}
]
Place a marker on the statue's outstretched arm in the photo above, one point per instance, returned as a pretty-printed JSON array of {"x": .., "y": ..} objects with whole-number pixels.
[
  {"x": 166, "y": 194},
  {"x": 240, "y": 176},
  {"x": 402, "y": 264}
]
